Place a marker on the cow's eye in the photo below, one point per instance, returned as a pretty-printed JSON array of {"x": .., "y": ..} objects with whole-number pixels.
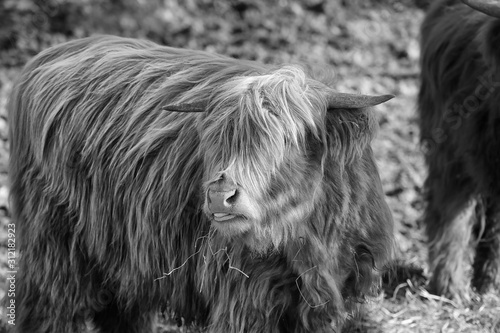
[{"x": 273, "y": 113}]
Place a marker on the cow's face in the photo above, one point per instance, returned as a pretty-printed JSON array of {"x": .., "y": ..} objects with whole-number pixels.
[
  {"x": 262, "y": 151},
  {"x": 265, "y": 142}
]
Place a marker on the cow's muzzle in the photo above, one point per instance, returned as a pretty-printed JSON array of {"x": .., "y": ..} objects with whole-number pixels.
[{"x": 223, "y": 199}]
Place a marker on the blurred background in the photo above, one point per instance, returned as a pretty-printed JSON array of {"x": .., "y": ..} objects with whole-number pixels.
[{"x": 366, "y": 46}]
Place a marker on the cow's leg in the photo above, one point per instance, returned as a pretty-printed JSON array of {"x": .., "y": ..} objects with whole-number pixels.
[
  {"x": 36, "y": 310},
  {"x": 487, "y": 259},
  {"x": 448, "y": 222},
  {"x": 112, "y": 320}
]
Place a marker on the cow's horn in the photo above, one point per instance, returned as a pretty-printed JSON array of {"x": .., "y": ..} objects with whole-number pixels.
[
  {"x": 186, "y": 107},
  {"x": 338, "y": 100},
  {"x": 488, "y": 7}
]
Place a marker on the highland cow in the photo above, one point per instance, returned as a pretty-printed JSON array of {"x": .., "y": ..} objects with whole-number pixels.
[
  {"x": 460, "y": 126},
  {"x": 232, "y": 195}
]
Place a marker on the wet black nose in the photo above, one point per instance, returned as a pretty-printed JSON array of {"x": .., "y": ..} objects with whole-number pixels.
[{"x": 222, "y": 196}]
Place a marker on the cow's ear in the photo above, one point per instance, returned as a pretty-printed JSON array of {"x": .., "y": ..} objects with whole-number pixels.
[
  {"x": 186, "y": 107},
  {"x": 338, "y": 100}
]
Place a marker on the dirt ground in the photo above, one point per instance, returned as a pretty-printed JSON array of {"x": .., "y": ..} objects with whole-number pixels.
[{"x": 366, "y": 46}]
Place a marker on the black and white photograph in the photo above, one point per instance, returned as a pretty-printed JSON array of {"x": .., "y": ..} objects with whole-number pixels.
[{"x": 249, "y": 166}]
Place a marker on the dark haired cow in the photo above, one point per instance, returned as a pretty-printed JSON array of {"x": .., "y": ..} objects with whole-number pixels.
[
  {"x": 237, "y": 196},
  {"x": 459, "y": 105}
]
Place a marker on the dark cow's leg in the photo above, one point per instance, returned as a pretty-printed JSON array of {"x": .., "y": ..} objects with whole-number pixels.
[
  {"x": 448, "y": 221},
  {"x": 105, "y": 314},
  {"x": 114, "y": 321},
  {"x": 487, "y": 259}
]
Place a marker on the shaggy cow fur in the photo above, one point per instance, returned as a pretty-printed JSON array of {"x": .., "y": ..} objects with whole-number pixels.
[
  {"x": 460, "y": 125},
  {"x": 116, "y": 176}
]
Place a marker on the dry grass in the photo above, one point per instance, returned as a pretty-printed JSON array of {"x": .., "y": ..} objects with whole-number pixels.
[{"x": 419, "y": 311}]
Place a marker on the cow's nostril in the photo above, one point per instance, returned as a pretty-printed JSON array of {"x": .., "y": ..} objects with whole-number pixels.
[{"x": 231, "y": 197}]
